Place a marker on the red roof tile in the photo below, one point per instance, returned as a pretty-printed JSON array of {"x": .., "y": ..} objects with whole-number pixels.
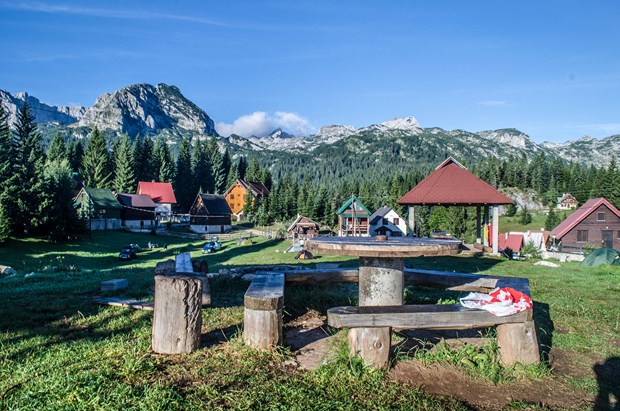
[
  {"x": 159, "y": 192},
  {"x": 582, "y": 212},
  {"x": 453, "y": 184}
]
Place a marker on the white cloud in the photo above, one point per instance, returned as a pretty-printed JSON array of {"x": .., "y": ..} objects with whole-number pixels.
[{"x": 261, "y": 124}]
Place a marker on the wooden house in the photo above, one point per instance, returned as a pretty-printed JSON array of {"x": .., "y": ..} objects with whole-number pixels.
[
  {"x": 567, "y": 202},
  {"x": 595, "y": 224},
  {"x": 99, "y": 208},
  {"x": 385, "y": 221},
  {"x": 237, "y": 193},
  {"x": 210, "y": 214},
  {"x": 162, "y": 195},
  {"x": 303, "y": 228},
  {"x": 138, "y": 210},
  {"x": 353, "y": 218}
]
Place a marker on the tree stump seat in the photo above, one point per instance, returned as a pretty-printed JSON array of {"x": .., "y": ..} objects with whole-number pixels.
[{"x": 262, "y": 314}]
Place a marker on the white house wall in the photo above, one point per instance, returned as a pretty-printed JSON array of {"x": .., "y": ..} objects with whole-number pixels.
[
  {"x": 210, "y": 229},
  {"x": 391, "y": 215}
]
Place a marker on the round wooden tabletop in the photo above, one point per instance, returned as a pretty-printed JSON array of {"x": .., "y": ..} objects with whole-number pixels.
[{"x": 393, "y": 247}]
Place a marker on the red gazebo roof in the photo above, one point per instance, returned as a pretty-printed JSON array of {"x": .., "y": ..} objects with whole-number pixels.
[{"x": 452, "y": 184}]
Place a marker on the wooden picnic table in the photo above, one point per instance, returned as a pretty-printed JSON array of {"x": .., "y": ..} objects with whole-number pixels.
[{"x": 381, "y": 279}]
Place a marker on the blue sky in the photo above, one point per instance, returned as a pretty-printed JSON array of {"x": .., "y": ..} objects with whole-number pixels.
[{"x": 548, "y": 68}]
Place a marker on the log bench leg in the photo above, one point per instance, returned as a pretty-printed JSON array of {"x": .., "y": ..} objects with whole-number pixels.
[
  {"x": 381, "y": 282},
  {"x": 517, "y": 343},
  {"x": 262, "y": 328}
]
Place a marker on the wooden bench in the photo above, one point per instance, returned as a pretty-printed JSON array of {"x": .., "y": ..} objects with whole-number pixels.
[
  {"x": 262, "y": 314},
  {"x": 516, "y": 334}
]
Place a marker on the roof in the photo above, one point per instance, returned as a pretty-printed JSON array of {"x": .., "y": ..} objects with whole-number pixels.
[
  {"x": 135, "y": 200},
  {"x": 513, "y": 241},
  {"x": 298, "y": 221},
  {"x": 566, "y": 196},
  {"x": 256, "y": 187},
  {"x": 159, "y": 192},
  {"x": 214, "y": 204},
  {"x": 102, "y": 198},
  {"x": 356, "y": 204},
  {"x": 452, "y": 184},
  {"x": 581, "y": 213},
  {"x": 380, "y": 213}
]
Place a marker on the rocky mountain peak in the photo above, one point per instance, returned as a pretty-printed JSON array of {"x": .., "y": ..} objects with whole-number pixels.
[
  {"x": 147, "y": 109},
  {"x": 43, "y": 113}
]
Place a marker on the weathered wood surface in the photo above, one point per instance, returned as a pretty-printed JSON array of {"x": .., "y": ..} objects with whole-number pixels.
[
  {"x": 425, "y": 316},
  {"x": 413, "y": 276},
  {"x": 126, "y": 303},
  {"x": 518, "y": 343},
  {"x": 399, "y": 247},
  {"x": 177, "y": 316},
  {"x": 183, "y": 264},
  {"x": 373, "y": 345},
  {"x": 266, "y": 292},
  {"x": 262, "y": 314}
]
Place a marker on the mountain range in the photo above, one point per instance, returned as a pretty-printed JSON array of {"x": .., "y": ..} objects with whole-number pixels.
[{"x": 142, "y": 109}]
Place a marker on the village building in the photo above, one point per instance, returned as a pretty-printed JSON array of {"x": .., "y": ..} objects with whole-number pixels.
[
  {"x": 237, "y": 193},
  {"x": 99, "y": 208},
  {"x": 512, "y": 241},
  {"x": 162, "y": 195},
  {"x": 303, "y": 228},
  {"x": 210, "y": 214},
  {"x": 138, "y": 211},
  {"x": 451, "y": 184},
  {"x": 595, "y": 224},
  {"x": 353, "y": 219},
  {"x": 385, "y": 221},
  {"x": 567, "y": 202}
]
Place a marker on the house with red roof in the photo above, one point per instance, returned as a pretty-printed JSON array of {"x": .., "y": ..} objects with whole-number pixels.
[
  {"x": 162, "y": 195},
  {"x": 595, "y": 224}
]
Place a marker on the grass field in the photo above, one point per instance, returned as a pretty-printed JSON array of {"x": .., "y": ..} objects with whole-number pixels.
[{"x": 61, "y": 351}]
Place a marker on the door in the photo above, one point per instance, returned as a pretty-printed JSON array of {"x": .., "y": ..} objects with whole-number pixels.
[{"x": 608, "y": 238}]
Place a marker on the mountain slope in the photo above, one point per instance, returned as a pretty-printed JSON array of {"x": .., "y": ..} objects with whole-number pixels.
[{"x": 43, "y": 113}]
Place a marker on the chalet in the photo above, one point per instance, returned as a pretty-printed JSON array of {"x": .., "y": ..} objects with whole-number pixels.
[
  {"x": 512, "y": 241},
  {"x": 353, "y": 218},
  {"x": 211, "y": 214},
  {"x": 303, "y": 228},
  {"x": 138, "y": 210},
  {"x": 162, "y": 195},
  {"x": 595, "y": 224},
  {"x": 99, "y": 207},
  {"x": 567, "y": 202},
  {"x": 237, "y": 193},
  {"x": 385, "y": 221}
]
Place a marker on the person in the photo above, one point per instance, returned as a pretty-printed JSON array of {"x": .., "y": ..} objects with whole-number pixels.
[{"x": 150, "y": 246}]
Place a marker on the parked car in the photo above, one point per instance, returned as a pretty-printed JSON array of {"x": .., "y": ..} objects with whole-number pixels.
[
  {"x": 211, "y": 247},
  {"x": 127, "y": 253}
]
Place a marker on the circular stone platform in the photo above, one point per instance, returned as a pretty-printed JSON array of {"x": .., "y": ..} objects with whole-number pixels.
[{"x": 393, "y": 247}]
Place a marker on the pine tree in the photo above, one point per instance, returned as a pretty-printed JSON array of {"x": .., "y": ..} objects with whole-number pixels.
[
  {"x": 166, "y": 164},
  {"x": 7, "y": 165},
  {"x": 58, "y": 148},
  {"x": 30, "y": 159},
  {"x": 183, "y": 183},
  {"x": 75, "y": 152},
  {"x": 138, "y": 158},
  {"x": 552, "y": 219},
  {"x": 203, "y": 175},
  {"x": 525, "y": 217},
  {"x": 149, "y": 173},
  {"x": 124, "y": 178},
  {"x": 95, "y": 169},
  {"x": 253, "y": 173}
]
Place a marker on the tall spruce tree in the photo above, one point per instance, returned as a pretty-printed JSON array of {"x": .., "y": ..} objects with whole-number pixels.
[
  {"x": 149, "y": 173},
  {"x": 58, "y": 148},
  {"x": 7, "y": 165},
  {"x": 124, "y": 177},
  {"x": 203, "y": 175},
  {"x": 184, "y": 180},
  {"x": 166, "y": 164},
  {"x": 75, "y": 153},
  {"x": 30, "y": 159},
  {"x": 95, "y": 169}
]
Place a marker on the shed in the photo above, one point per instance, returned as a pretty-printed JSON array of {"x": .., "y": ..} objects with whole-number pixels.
[
  {"x": 138, "y": 210},
  {"x": 303, "y": 228},
  {"x": 595, "y": 224},
  {"x": 211, "y": 214},
  {"x": 451, "y": 184}
]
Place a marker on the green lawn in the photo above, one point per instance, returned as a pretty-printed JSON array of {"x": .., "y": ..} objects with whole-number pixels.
[{"x": 61, "y": 351}]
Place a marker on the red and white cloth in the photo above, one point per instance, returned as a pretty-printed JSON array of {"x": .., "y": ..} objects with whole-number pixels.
[{"x": 500, "y": 302}]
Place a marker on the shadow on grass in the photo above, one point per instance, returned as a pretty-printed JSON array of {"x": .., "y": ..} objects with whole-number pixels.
[{"x": 607, "y": 378}]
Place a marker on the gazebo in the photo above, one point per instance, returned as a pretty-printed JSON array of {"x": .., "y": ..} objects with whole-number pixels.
[{"x": 451, "y": 184}]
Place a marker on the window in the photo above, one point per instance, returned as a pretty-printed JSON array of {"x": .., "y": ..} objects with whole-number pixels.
[
  {"x": 618, "y": 235},
  {"x": 396, "y": 221},
  {"x": 600, "y": 216},
  {"x": 232, "y": 196},
  {"x": 385, "y": 221},
  {"x": 582, "y": 236}
]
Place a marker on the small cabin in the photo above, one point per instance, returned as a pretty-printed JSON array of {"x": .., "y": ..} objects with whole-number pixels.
[
  {"x": 210, "y": 214},
  {"x": 386, "y": 221},
  {"x": 303, "y": 228},
  {"x": 99, "y": 208},
  {"x": 138, "y": 210},
  {"x": 353, "y": 218}
]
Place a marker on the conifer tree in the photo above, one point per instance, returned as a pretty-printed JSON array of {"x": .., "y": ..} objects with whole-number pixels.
[
  {"x": 253, "y": 172},
  {"x": 95, "y": 169},
  {"x": 183, "y": 182},
  {"x": 525, "y": 217},
  {"x": 203, "y": 174},
  {"x": 7, "y": 151},
  {"x": 138, "y": 158},
  {"x": 75, "y": 153},
  {"x": 124, "y": 177},
  {"x": 149, "y": 173},
  {"x": 166, "y": 164},
  {"x": 552, "y": 219},
  {"x": 58, "y": 148}
]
